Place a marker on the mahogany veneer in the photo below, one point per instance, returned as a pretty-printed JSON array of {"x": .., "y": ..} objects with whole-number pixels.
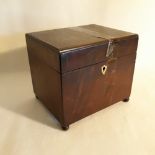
[{"x": 78, "y": 71}]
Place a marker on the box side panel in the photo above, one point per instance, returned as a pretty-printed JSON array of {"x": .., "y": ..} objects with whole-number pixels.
[
  {"x": 43, "y": 53},
  {"x": 87, "y": 90},
  {"x": 125, "y": 47},
  {"x": 46, "y": 80}
]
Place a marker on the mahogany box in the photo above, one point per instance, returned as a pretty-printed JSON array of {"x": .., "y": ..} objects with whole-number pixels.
[{"x": 78, "y": 71}]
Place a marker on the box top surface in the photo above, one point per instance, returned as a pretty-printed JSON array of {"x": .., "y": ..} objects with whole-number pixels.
[{"x": 65, "y": 39}]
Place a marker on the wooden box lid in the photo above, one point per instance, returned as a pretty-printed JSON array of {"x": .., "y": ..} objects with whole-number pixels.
[{"x": 82, "y": 45}]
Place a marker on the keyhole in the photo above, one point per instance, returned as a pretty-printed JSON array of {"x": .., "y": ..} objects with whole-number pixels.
[{"x": 104, "y": 69}]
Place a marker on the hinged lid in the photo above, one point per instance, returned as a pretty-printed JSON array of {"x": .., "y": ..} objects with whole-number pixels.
[{"x": 85, "y": 45}]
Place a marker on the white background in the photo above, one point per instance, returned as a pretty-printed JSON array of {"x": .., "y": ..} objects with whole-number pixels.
[{"x": 27, "y": 128}]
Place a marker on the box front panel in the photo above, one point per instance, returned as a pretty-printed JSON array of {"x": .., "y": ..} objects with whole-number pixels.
[
  {"x": 79, "y": 58},
  {"x": 90, "y": 89}
]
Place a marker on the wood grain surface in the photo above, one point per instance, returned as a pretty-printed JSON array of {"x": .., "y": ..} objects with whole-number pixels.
[{"x": 66, "y": 68}]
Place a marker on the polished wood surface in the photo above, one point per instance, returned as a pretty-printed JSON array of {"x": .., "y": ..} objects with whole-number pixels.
[
  {"x": 43, "y": 53},
  {"x": 106, "y": 32},
  {"x": 46, "y": 83},
  {"x": 78, "y": 37},
  {"x": 86, "y": 90},
  {"x": 67, "y": 69},
  {"x": 66, "y": 38},
  {"x": 75, "y": 59}
]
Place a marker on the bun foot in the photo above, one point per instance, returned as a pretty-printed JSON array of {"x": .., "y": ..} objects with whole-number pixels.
[
  {"x": 126, "y": 100},
  {"x": 65, "y": 127}
]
